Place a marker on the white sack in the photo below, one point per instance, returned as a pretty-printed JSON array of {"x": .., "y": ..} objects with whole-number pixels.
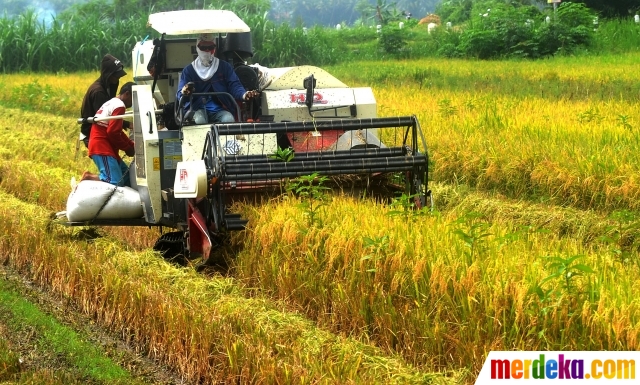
[{"x": 88, "y": 196}]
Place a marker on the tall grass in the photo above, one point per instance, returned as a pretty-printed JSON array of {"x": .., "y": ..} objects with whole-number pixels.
[
  {"x": 27, "y": 44},
  {"x": 78, "y": 41},
  {"x": 617, "y": 36}
]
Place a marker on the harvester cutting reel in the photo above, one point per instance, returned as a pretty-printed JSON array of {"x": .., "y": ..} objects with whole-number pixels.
[{"x": 233, "y": 176}]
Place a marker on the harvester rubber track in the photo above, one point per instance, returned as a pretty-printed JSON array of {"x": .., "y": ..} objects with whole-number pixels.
[{"x": 171, "y": 245}]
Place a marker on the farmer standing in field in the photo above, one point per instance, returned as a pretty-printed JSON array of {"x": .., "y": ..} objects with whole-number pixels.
[
  {"x": 209, "y": 74},
  {"x": 107, "y": 139},
  {"x": 101, "y": 91}
]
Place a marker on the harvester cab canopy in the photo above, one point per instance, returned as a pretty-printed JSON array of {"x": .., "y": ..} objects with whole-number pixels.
[{"x": 196, "y": 21}]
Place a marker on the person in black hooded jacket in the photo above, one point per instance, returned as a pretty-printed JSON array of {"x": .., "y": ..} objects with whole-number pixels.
[{"x": 102, "y": 90}]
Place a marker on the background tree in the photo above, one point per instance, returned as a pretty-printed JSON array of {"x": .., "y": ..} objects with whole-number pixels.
[
  {"x": 613, "y": 8},
  {"x": 310, "y": 13}
]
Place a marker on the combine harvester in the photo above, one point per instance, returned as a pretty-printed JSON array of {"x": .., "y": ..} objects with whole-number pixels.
[{"x": 188, "y": 175}]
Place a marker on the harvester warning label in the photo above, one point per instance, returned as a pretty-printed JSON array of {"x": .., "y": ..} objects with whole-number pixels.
[
  {"x": 171, "y": 147},
  {"x": 156, "y": 164},
  {"x": 172, "y": 153},
  {"x": 171, "y": 162}
]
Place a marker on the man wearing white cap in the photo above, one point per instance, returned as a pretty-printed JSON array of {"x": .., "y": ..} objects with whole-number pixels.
[{"x": 209, "y": 74}]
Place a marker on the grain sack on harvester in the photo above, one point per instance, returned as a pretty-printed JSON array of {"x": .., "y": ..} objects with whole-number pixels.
[{"x": 187, "y": 175}]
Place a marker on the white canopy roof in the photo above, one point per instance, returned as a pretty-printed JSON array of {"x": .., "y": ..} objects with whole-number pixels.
[{"x": 197, "y": 21}]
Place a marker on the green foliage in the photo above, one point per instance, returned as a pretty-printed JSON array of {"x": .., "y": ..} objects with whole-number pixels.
[
  {"x": 454, "y": 11},
  {"x": 446, "y": 108},
  {"x": 405, "y": 206},
  {"x": 312, "y": 193},
  {"x": 283, "y": 45},
  {"x": 590, "y": 115},
  {"x": 625, "y": 122},
  {"x": 563, "y": 281},
  {"x": 357, "y": 35},
  {"x": 79, "y": 43},
  {"x": 283, "y": 154},
  {"x": 620, "y": 236},
  {"x": 393, "y": 39},
  {"x": 378, "y": 247},
  {"x": 617, "y": 36},
  {"x": 472, "y": 231},
  {"x": 499, "y": 30},
  {"x": 570, "y": 27}
]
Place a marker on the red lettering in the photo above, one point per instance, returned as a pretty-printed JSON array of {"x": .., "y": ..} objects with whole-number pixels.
[
  {"x": 302, "y": 98},
  {"x": 500, "y": 369},
  {"x": 298, "y": 98}
]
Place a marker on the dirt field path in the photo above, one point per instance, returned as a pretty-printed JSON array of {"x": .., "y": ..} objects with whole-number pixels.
[{"x": 44, "y": 338}]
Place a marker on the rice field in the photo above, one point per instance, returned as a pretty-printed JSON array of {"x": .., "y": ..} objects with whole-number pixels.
[{"x": 534, "y": 168}]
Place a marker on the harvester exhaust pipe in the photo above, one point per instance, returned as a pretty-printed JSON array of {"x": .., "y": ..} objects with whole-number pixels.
[{"x": 309, "y": 84}]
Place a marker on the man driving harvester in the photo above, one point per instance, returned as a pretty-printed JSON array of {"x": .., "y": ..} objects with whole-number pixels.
[{"x": 207, "y": 73}]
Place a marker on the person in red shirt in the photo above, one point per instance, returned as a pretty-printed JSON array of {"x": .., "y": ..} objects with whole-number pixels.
[
  {"x": 100, "y": 91},
  {"x": 107, "y": 140}
]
